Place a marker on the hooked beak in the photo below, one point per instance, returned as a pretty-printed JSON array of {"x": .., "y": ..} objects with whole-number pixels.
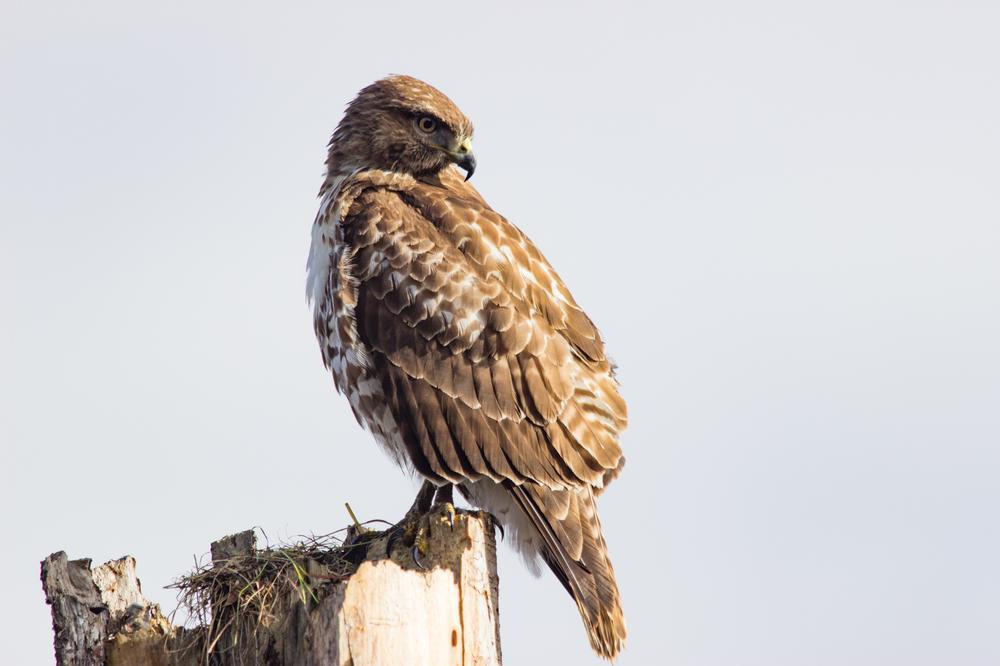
[{"x": 464, "y": 158}]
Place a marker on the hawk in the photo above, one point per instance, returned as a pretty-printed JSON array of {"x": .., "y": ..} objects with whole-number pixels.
[{"x": 457, "y": 344}]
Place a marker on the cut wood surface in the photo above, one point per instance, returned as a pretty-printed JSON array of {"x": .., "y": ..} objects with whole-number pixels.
[{"x": 383, "y": 611}]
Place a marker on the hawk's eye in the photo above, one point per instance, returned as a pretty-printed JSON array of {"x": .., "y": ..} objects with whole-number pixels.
[{"x": 427, "y": 124}]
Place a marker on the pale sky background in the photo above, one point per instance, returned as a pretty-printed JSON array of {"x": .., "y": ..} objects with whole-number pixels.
[{"x": 784, "y": 217}]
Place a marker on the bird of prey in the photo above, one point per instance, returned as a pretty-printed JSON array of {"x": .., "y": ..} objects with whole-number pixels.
[{"x": 458, "y": 345}]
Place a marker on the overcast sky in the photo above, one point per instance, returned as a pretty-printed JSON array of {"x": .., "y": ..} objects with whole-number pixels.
[{"x": 784, "y": 217}]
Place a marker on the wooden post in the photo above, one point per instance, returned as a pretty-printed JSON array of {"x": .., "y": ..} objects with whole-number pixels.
[
  {"x": 79, "y": 617},
  {"x": 387, "y": 612}
]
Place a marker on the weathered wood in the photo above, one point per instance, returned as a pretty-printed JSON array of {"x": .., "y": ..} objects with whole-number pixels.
[
  {"x": 100, "y": 617},
  {"x": 388, "y": 612},
  {"x": 137, "y": 631},
  {"x": 79, "y": 617}
]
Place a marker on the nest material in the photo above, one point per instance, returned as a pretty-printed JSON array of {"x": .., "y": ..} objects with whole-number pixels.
[{"x": 242, "y": 601}]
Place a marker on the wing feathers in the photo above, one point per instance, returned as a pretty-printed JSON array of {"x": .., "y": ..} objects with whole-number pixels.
[
  {"x": 454, "y": 335},
  {"x": 490, "y": 369}
]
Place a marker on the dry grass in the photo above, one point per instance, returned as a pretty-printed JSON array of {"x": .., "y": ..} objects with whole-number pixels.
[{"x": 238, "y": 602}]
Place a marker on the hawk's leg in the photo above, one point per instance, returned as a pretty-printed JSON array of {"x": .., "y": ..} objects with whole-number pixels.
[
  {"x": 422, "y": 503},
  {"x": 442, "y": 508},
  {"x": 445, "y": 494},
  {"x": 412, "y": 529},
  {"x": 445, "y": 498}
]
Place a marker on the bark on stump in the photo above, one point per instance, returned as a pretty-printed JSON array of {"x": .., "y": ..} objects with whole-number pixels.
[{"x": 388, "y": 612}]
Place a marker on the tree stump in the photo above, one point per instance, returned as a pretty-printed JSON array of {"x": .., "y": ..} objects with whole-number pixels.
[{"x": 352, "y": 605}]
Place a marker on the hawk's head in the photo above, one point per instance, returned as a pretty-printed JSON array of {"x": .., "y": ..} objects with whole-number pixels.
[{"x": 402, "y": 124}]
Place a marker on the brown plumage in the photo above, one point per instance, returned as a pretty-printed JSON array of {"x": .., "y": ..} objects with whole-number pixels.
[{"x": 458, "y": 345}]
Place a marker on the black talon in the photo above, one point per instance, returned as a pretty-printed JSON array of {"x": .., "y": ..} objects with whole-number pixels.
[
  {"x": 445, "y": 495},
  {"x": 415, "y": 554}
]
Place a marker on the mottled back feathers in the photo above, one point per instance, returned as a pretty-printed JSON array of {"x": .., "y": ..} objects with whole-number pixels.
[{"x": 459, "y": 346}]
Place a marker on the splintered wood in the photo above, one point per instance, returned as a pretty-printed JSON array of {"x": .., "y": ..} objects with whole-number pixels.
[
  {"x": 388, "y": 612},
  {"x": 391, "y": 613}
]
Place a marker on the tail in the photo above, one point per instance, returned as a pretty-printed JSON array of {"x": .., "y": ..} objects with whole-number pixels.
[{"x": 576, "y": 552}]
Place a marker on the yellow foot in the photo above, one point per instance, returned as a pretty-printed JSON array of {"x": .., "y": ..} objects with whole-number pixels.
[
  {"x": 415, "y": 530},
  {"x": 447, "y": 510},
  {"x": 439, "y": 515}
]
